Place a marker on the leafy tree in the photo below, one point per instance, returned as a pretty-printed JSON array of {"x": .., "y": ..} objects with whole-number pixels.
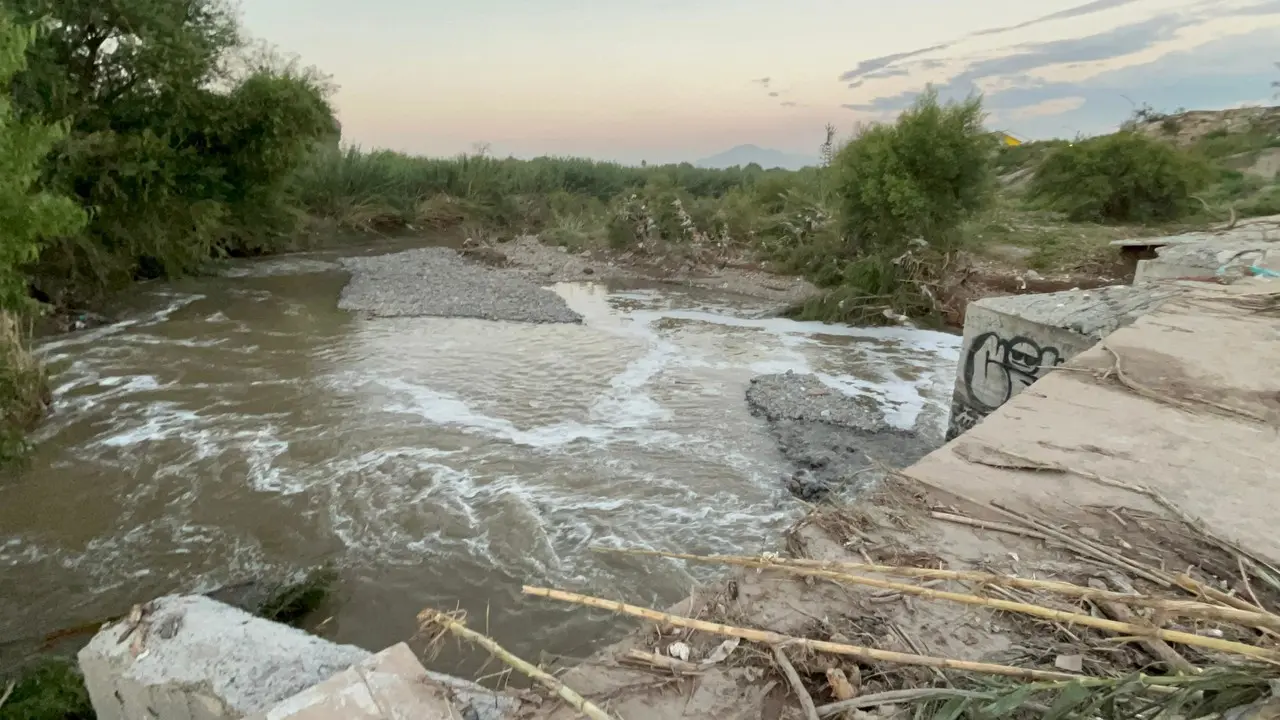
[
  {"x": 181, "y": 152},
  {"x": 26, "y": 216},
  {"x": 916, "y": 178}
]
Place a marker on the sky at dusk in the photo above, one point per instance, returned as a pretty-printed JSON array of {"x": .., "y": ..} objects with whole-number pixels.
[{"x": 665, "y": 81}]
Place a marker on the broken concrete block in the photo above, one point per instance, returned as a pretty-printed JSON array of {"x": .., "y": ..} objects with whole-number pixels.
[
  {"x": 1225, "y": 259},
  {"x": 1010, "y": 342},
  {"x": 392, "y": 685},
  {"x": 193, "y": 658}
]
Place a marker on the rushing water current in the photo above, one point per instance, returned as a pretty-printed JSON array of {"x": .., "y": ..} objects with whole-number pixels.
[{"x": 241, "y": 426}]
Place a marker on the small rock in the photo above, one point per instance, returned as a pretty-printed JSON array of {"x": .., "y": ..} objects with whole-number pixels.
[{"x": 588, "y": 271}]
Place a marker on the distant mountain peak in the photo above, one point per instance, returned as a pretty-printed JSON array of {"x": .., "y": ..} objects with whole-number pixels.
[{"x": 764, "y": 157}]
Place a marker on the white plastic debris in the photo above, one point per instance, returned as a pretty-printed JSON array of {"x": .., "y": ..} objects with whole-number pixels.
[{"x": 722, "y": 652}]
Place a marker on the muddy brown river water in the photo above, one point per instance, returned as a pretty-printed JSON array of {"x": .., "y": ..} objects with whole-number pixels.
[{"x": 243, "y": 426}]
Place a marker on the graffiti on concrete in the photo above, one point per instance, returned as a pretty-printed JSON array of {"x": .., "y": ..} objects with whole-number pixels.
[
  {"x": 996, "y": 369},
  {"x": 962, "y": 418}
]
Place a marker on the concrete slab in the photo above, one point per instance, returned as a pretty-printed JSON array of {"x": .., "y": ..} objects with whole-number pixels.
[
  {"x": 1010, "y": 342},
  {"x": 1223, "y": 260},
  {"x": 193, "y": 658},
  {"x": 1265, "y": 229},
  {"x": 1203, "y": 429},
  {"x": 391, "y": 685}
]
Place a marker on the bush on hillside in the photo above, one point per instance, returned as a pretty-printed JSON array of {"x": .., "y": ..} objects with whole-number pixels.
[
  {"x": 1124, "y": 177},
  {"x": 916, "y": 178},
  {"x": 1011, "y": 158}
]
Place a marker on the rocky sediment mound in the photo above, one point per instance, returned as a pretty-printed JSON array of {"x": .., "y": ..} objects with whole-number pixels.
[
  {"x": 837, "y": 441},
  {"x": 438, "y": 282}
]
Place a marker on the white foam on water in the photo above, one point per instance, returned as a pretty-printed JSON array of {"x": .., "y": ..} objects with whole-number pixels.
[
  {"x": 162, "y": 421},
  {"x": 48, "y": 350},
  {"x": 442, "y": 408},
  {"x": 627, "y": 404}
]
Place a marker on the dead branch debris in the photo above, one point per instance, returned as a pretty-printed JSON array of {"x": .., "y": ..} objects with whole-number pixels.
[
  {"x": 1207, "y": 649},
  {"x": 797, "y": 685},
  {"x": 453, "y": 623},
  {"x": 1040, "y": 611}
]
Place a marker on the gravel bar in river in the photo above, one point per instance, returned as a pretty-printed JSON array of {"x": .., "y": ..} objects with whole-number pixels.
[{"x": 436, "y": 281}]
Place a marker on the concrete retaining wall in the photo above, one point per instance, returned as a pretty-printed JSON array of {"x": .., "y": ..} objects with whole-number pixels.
[{"x": 1010, "y": 342}]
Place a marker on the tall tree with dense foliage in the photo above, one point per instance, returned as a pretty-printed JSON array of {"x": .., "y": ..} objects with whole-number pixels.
[
  {"x": 27, "y": 218},
  {"x": 181, "y": 152}
]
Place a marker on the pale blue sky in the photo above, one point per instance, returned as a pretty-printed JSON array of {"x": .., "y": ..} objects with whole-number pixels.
[{"x": 663, "y": 80}]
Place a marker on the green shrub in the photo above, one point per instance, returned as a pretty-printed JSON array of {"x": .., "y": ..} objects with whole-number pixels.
[
  {"x": 901, "y": 192},
  {"x": 50, "y": 690},
  {"x": 1124, "y": 177},
  {"x": 917, "y": 178},
  {"x": 1266, "y": 202}
]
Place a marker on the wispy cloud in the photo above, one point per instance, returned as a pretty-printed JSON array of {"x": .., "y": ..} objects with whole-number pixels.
[
  {"x": 1077, "y": 79},
  {"x": 866, "y": 67},
  {"x": 1052, "y": 106},
  {"x": 1078, "y": 11},
  {"x": 1265, "y": 8}
]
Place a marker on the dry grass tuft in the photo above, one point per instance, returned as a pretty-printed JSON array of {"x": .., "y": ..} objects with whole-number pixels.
[{"x": 24, "y": 392}]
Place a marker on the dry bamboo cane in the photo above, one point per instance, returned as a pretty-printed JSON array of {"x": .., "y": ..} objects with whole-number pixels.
[
  {"x": 1087, "y": 549},
  {"x": 1176, "y": 608},
  {"x": 453, "y": 625},
  {"x": 767, "y": 637},
  {"x": 1184, "y": 638}
]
